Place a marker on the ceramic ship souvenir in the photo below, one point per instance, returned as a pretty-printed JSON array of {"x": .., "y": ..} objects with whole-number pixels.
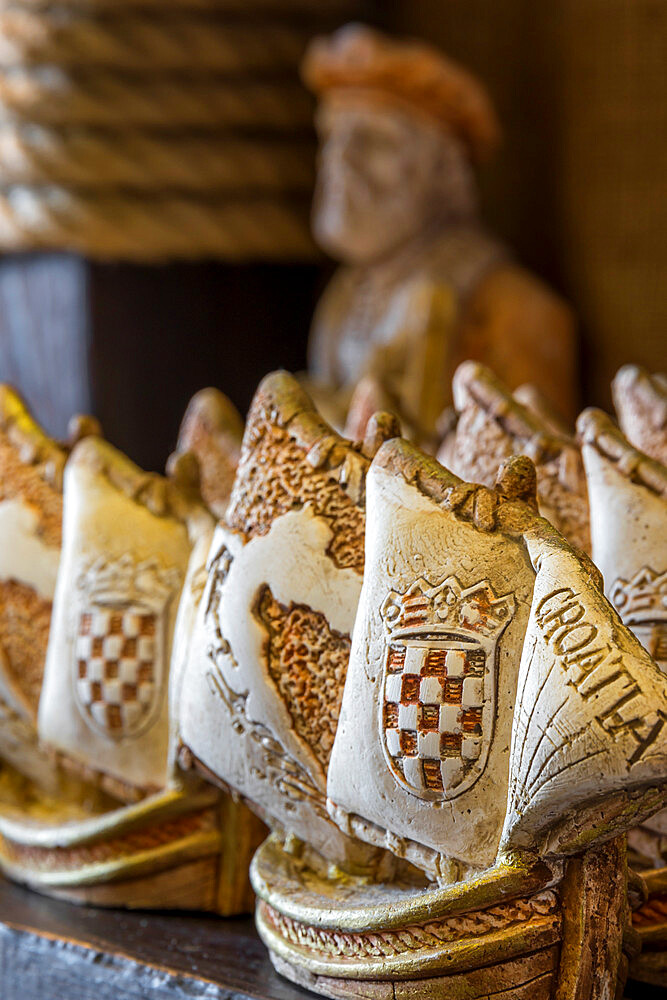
[
  {"x": 263, "y": 683},
  {"x": 125, "y": 831},
  {"x": 500, "y": 729},
  {"x": 640, "y": 401},
  {"x": 421, "y": 284},
  {"x": 628, "y": 497},
  {"x": 212, "y": 429},
  {"x": 493, "y": 425}
]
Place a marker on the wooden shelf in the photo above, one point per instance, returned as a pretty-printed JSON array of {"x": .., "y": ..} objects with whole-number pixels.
[{"x": 56, "y": 951}]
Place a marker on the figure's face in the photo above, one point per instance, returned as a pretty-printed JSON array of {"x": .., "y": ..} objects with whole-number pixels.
[{"x": 375, "y": 180}]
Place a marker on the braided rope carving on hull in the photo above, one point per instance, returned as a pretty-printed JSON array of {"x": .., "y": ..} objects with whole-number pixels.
[{"x": 418, "y": 937}]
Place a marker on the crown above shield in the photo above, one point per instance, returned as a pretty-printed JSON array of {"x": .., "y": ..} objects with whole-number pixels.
[
  {"x": 107, "y": 581},
  {"x": 641, "y": 599},
  {"x": 477, "y": 610}
]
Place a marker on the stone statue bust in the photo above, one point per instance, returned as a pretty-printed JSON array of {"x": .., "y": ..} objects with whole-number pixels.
[{"x": 421, "y": 285}]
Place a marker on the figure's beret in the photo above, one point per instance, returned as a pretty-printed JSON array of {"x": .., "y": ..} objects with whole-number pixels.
[{"x": 361, "y": 58}]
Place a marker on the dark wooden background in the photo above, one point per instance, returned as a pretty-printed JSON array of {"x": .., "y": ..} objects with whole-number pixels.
[{"x": 580, "y": 186}]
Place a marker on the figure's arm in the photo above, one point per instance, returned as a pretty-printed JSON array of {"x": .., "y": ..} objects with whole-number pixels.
[
  {"x": 414, "y": 366},
  {"x": 409, "y": 359},
  {"x": 525, "y": 333}
]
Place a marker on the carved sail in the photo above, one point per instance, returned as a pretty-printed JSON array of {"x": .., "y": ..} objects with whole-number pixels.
[
  {"x": 212, "y": 430},
  {"x": 591, "y": 709},
  {"x": 31, "y": 467},
  {"x": 104, "y": 699},
  {"x": 493, "y": 425},
  {"x": 421, "y": 759},
  {"x": 270, "y": 648},
  {"x": 640, "y": 400},
  {"x": 628, "y": 495}
]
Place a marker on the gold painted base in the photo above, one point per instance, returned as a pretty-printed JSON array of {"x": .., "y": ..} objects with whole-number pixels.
[
  {"x": 342, "y": 937},
  {"x": 173, "y": 850},
  {"x": 530, "y": 977}
]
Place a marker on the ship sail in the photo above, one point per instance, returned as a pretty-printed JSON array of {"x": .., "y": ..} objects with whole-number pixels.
[
  {"x": 591, "y": 710},
  {"x": 628, "y": 495},
  {"x": 421, "y": 757},
  {"x": 492, "y": 691},
  {"x": 270, "y": 645},
  {"x": 103, "y": 702}
]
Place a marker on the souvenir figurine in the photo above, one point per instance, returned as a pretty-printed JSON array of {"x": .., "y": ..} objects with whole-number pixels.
[
  {"x": 125, "y": 829},
  {"x": 628, "y": 498},
  {"x": 500, "y": 729},
  {"x": 492, "y": 425},
  {"x": 421, "y": 285},
  {"x": 268, "y": 656},
  {"x": 419, "y": 684},
  {"x": 640, "y": 401}
]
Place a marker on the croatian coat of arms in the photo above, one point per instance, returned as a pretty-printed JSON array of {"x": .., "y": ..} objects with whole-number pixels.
[
  {"x": 119, "y": 647},
  {"x": 642, "y": 604},
  {"x": 439, "y": 684}
]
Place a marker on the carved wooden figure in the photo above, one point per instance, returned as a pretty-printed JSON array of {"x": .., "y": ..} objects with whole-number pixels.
[
  {"x": 421, "y": 285},
  {"x": 493, "y": 425},
  {"x": 628, "y": 498},
  {"x": 129, "y": 577}
]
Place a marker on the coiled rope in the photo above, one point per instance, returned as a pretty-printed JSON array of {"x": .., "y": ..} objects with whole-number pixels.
[{"x": 151, "y": 129}]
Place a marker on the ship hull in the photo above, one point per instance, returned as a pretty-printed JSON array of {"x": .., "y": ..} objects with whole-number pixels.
[
  {"x": 172, "y": 850},
  {"x": 519, "y": 930}
]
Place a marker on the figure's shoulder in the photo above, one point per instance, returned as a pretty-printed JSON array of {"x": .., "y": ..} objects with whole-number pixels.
[
  {"x": 511, "y": 290},
  {"x": 525, "y": 332}
]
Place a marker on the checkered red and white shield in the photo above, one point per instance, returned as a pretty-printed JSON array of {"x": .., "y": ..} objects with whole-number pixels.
[
  {"x": 436, "y": 700},
  {"x": 117, "y": 667}
]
